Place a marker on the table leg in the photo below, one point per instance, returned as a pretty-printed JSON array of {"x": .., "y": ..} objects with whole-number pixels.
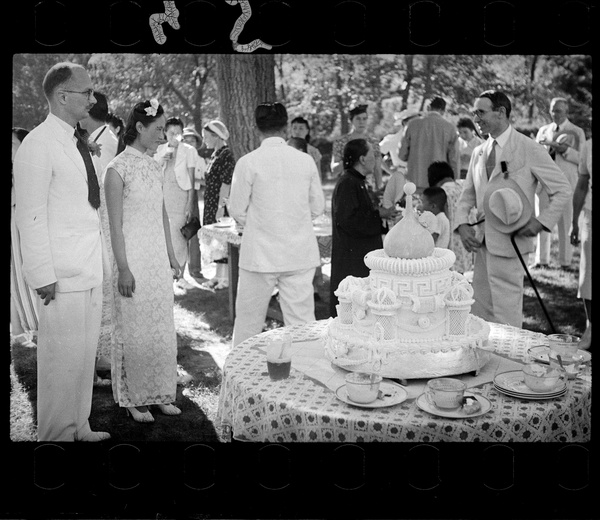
[{"x": 233, "y": 251}]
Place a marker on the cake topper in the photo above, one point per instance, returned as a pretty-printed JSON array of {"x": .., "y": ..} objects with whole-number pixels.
[{"x": 409, "y": 238}]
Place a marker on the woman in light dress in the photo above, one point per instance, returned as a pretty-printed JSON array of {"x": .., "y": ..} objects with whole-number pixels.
[
  {"x": 23, "y": 299},
  {"x": 144, "y": 355},
  {"x": 300, "y": 128},
  {"x": 178, "y": 160}
]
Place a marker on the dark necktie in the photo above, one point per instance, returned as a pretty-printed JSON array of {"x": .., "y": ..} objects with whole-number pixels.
[
  {"x": 93, "y": 186},
  {"x": 552, "y": 150},
  {"x": 490, "y": 164}
]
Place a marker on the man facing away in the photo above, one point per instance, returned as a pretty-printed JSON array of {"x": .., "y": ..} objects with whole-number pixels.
[
  {"x": 504, "y": 173},
  {"x": 427, "y": 139},
  {"x": 563, "y": 140},
  {"x": 57, "y": 200},
  {"x": 275, "y": 194}
]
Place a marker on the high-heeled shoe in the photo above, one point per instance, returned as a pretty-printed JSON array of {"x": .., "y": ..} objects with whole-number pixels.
[
  {"x": 141, "y": 417},
  {"x": 169, "y": 409}
]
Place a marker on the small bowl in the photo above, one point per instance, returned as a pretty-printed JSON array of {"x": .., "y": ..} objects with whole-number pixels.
[
  {"x": 541, "y": 378},
  {"x": 571, "y": 364},
  {"x": 362, "y": 387}
]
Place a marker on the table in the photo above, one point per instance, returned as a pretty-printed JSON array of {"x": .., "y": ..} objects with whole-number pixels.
[
  {"x": 304, "y": 409},
  {"x": 220, "y": 242}
]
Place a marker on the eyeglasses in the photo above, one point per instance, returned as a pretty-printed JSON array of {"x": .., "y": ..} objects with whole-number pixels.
[
  {"x": 480, "y": 113},
  {"x": 89, "y": 92}
]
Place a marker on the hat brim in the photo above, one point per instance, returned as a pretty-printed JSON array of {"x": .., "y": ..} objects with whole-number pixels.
[{"x": 495, "y": 222}]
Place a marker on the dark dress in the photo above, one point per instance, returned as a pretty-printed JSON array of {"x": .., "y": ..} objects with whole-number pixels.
[
  {"x": 356, "y": 230},
  {"x": 218, "y": 171}
]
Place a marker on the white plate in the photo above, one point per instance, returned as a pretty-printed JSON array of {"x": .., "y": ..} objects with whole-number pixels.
[
  {"x": 530, "y": 397},
  {"x": 540, "y": 353},
  {"x": 398, "y": 394},
  {"x": 424, "y": 405},
  {"x": 513, "y": 382}
]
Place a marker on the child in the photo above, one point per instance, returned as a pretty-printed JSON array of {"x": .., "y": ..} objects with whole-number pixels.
[{"x": 434, "y": 199}]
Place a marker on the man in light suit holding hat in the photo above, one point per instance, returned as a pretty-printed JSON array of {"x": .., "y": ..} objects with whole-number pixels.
[
  {"x": 563, "y": 141},
  {"x": 501, "y": 182}
]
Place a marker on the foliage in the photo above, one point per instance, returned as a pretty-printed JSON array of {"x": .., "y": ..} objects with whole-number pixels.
[{"x": 322, "y": 86}]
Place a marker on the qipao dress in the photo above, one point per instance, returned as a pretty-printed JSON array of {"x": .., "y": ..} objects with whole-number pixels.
[{"x": 144, "y": 356}]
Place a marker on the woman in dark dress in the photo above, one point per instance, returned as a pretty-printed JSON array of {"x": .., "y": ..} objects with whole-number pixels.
[
  {"x": 217, "y": 179},
  {"x": 357, "y": 224}
]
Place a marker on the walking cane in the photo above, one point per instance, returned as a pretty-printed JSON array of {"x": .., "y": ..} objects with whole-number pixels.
[{"x": 512, "y": 239}]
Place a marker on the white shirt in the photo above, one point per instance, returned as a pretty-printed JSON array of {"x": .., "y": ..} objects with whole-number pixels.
[
  {"x": 275, "y": 194},
  {"x": 442, "y": 229}
]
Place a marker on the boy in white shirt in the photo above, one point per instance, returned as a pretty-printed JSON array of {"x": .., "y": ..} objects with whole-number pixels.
[{"x": 434, "y": 199}]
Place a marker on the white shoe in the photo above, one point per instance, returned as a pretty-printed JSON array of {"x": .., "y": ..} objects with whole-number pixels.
[
  {"x": 94, "y": 437},
  {"x": 141, "y": 417}
]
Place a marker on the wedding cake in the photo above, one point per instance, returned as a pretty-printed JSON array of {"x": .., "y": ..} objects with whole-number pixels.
[{"x": 410, "y": 318}]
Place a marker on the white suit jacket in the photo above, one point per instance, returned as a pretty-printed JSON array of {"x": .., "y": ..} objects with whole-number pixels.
[
  {"x": 275, "y": 193},
  {"x": 528, "y": 164},
  {"x": 185, "y": 157},
  {"x": 59, "y": 229}
]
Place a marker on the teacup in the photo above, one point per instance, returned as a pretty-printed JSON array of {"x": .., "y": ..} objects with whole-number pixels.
[
  {"x": 542, "y": 378},
  {"x": 362, "y": 387},
  {"x": 563, "y": 344},
  {"x": 445, "y": 393}
]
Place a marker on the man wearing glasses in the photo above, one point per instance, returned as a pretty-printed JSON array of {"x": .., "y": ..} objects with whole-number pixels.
[
  {"x": 503, "y": 175},
  {"x": 57, "y": 201}
]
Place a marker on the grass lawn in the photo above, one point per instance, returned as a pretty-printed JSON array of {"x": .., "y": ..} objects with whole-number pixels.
[{"x": 204, "y": 337}]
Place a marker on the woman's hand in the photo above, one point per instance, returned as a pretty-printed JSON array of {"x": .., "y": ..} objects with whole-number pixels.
[
  {"x": 126, "y": 283},
  {"x": 388, "y": 213}
]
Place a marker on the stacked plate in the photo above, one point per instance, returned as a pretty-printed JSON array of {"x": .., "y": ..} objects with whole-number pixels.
[{"x": 512, "y": 384}]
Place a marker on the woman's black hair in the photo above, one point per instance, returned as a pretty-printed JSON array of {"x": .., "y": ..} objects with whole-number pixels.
[
  {"x": 353, "y": 151},
  {"x": 303, "y": 121},
  {"x": 138, "y": 114}
]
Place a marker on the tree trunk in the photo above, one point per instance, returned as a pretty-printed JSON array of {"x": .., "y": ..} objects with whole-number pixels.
[{"x": 244, "y": 81}]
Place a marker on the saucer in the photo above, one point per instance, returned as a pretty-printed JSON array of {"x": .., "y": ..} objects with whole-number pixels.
[
  {"x": 512, "y": 383},
  {"x": 424, "y": 405},
  {"x": 224, "y": 224},
  {"x": 398, "y": 394},
  {"x": 540, "y": 353}
]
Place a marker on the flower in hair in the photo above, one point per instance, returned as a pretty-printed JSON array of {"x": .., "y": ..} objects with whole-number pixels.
[{"x": 153, "y": 108}]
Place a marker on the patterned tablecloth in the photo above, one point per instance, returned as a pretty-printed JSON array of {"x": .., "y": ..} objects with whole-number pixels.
[
  {"x": 304, "y": 407},
  {"x": 214, "y": 239}
]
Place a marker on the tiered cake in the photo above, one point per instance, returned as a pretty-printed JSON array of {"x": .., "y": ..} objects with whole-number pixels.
[{"x": 411, "y": 317}]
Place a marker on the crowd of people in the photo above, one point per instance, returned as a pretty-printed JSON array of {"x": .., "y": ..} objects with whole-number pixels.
[{"x": 98, "y": 207}]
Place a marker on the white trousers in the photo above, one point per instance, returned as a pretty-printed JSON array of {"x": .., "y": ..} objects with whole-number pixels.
[
  {"x": 498, "y": 288},
  {"x": 254, "y": 293},
  {"x": 565, "y": 249},
  {"x": 66, "y": 353},
  {"x": 585, "y": 260}
]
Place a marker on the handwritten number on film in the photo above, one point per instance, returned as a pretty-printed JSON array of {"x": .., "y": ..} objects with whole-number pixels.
[{"x": 171, "y": 14}]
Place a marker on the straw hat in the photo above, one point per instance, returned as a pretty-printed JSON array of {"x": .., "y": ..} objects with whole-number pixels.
[
  {"x": 506, "y": 206},
  {"x": 404, "y": 115},
  {"x": 191, "y": 131}
]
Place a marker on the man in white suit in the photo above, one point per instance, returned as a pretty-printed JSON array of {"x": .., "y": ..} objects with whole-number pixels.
[
  {"x": 563, "y": 140},
  {"x": 275, "y": 194},
  {"x": 57, "y": 217},
  {"x": 515, "y": 164}
]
